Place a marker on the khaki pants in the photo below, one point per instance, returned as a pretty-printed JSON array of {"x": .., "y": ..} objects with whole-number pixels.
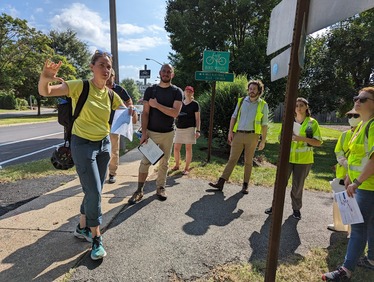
[
  {"x": 114, "y": 156},
  {"x": 241, "y": 141},
  {"x": 165, "y": 142},
  {"x": 299, "y": 174}
]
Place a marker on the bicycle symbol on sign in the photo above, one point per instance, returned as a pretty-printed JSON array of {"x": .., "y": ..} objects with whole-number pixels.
[{"x": 215, "y": 58}]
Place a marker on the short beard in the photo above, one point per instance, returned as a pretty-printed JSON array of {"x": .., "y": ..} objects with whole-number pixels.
[{"x": 165, "y": 81}]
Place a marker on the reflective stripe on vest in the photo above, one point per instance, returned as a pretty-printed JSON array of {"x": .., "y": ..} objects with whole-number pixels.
[
  {"x": 258, "y": 117},
  {"x": 300, "y": 152}
]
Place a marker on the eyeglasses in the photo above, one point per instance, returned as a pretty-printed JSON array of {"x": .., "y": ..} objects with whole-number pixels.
[
  {"x": 101, "y": 52},
  {"x": 353, "y": 115},
  {"x": 362, "y": 100}
]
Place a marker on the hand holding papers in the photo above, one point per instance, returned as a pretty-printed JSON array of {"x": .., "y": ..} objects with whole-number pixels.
[
  {"x": 349, "y": 209},
  {"x": 296, "y": 128},
  {"x": 151, "y": 151},
  {"x": 122, "y": 124}
]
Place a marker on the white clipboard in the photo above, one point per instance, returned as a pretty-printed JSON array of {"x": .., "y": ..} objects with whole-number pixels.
[{"x": 151, "y": 151}]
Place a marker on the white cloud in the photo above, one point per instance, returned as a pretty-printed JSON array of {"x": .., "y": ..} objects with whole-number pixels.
[
  {"x": 139, "y": 44},
  {"x": 91, "y": 28},
  {"x": 127, "y": 29},
  {"x": 88, "y": 25}
]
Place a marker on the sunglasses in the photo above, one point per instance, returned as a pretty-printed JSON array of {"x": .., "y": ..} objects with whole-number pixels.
[
  {"x": 104, "y": 53},
  {"x": 353, "y": 115},
  {"x": 362, "y": 100}
]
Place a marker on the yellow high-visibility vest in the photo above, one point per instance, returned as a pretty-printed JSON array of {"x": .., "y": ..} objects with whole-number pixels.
[
  {"x": 342, "y": 150},
  {"x": 300, "y": 152},
  {"x": 361, "y": 148},
  {"x": 258, "y": 117}
]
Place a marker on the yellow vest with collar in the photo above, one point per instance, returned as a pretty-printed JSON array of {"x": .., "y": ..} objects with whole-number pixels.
[{"x": 258, "y": 117}]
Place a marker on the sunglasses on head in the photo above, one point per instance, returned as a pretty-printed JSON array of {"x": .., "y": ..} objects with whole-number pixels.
[
  {"x": 362, "y": 100},
  {"x": 101, "y": 52},
  {"x": 353, "y": 115}
]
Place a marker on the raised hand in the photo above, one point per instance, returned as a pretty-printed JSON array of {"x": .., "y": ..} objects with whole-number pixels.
[{"x": 50, "y": 71}]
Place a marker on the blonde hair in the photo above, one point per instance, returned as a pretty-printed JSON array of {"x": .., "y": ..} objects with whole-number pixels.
[{"x": 98, "y": 54}]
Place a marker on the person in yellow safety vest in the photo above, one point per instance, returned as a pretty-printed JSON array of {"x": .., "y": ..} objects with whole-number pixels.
[
  {"x": 342, "y": 153},
  {"x": 359, "y": 183},
  {"x": 306, "y": 135},
  {"x": 248, "y": 122}
]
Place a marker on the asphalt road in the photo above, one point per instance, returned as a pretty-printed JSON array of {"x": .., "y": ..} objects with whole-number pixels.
[{"x": 29, "y": 142}]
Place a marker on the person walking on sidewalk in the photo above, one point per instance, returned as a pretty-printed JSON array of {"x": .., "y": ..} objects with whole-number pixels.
[
  {"x": 188, "y": 129},
  {"x": 342, "y": 152},
  {"x": 114, "y": 138},
  {"x": 90, "y": 142},
  {"x": 301, "y": 154},
  {"x": 161, "y": 105},
  {"x": 248, "y": 122},
  {"x": 359, "y": 184}
]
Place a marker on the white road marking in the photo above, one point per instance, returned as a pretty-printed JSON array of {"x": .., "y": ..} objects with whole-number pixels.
[
  {"x": 33, "y": 138},
  {"x": 30, "y": 154}
]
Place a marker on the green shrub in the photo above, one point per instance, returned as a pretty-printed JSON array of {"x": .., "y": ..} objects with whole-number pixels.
[
  {"x": 21, "y": 104},
  {"x": 7, "y": 100},
  {"x": 227, "y": 94}
]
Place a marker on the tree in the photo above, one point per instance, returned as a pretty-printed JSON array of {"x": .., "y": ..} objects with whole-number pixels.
[
  {"x": 238, "y": 26},
  {"x": 132, "y": 88},
  {"x": 21, "y": 51},
  {"x": 339, "y": 63},
  {"x": 67, "y": 44}
]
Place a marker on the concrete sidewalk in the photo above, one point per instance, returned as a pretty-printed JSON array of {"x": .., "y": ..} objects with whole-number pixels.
[
  {"x": 37, "y": 241},
  {"x": 186, "y": 236}
]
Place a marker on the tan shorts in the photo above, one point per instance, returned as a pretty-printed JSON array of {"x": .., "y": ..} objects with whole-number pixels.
[{"x": 185, "y": 136}]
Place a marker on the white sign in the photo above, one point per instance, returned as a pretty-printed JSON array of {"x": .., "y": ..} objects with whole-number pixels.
[
  {"x": 282, "y": 21},
  {"x": 143, "y": 87},
  {"x": 279, "y": 65},
  {"x": 323, "y": 13}
]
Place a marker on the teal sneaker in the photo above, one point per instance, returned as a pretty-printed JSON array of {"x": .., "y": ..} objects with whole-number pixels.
[
  {"x": 83, "y": 233},
  {"x": 98, "y": 251}
]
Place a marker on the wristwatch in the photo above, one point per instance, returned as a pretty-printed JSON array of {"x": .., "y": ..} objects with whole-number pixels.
[{"x": 355, "y": 181}]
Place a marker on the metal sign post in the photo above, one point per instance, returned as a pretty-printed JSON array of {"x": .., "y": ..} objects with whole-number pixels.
[{"x": 302, "y": 9}]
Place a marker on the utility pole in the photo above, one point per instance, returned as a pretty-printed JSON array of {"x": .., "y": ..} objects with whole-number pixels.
[{"x": 113, "y": 37}]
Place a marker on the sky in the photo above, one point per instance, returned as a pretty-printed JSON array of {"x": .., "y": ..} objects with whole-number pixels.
[{"x": 140, "y": 28}]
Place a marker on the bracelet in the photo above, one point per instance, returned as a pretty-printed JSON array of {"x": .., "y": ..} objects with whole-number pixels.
[
  {"x": 197, "y": 131},
  {"x": 355, "y": 181}
]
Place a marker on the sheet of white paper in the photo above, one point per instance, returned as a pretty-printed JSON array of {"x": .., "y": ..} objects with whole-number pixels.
[
  {"x": 349, "y": 209},
  {"x": 122, "y": 124},
  {"x": 151, "y": 151},
  {"x": 336, "y": 186},
  {"x": 296, "y": 128}
]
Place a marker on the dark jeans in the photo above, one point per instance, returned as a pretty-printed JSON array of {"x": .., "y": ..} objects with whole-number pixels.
[{"x": 91, "y": 159}]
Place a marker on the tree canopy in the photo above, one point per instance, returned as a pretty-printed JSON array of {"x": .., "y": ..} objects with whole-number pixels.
[{"x": 337, "y": 64}]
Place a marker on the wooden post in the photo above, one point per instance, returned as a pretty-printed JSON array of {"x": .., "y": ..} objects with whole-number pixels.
[
  {"x": 210, "y": 137},
  {"x": 280, "y": 185}
]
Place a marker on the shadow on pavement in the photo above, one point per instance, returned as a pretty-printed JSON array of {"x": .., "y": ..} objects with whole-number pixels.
[{"x": 212, "y": 209}]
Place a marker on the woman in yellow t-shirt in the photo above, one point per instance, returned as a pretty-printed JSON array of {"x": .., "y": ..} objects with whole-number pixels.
[{"x": 90, "y": 143}]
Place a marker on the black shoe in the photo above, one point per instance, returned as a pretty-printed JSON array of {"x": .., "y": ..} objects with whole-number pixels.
[
  {"x": 269, "y": 211},
  {"x": 112, "y": 179},
  {"x": 219, "y": 184},
  {"x": 296, "y": 214},
  {"x": 245, "y": 188}
]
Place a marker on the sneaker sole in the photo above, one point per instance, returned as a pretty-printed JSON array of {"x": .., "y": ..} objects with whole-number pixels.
[
  {"x": 97, "y": 258},
  {"x": 80, "y": 236},
  {"x": 161, "y": 198}
]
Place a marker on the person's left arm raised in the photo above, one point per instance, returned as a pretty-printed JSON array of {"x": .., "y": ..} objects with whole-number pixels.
[{"x": 49, "y": 74}]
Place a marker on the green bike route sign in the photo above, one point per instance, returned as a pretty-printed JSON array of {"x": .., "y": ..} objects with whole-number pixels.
[
  {"x": 214, "y": 76},
  {"x": 216, "y": 61}
]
